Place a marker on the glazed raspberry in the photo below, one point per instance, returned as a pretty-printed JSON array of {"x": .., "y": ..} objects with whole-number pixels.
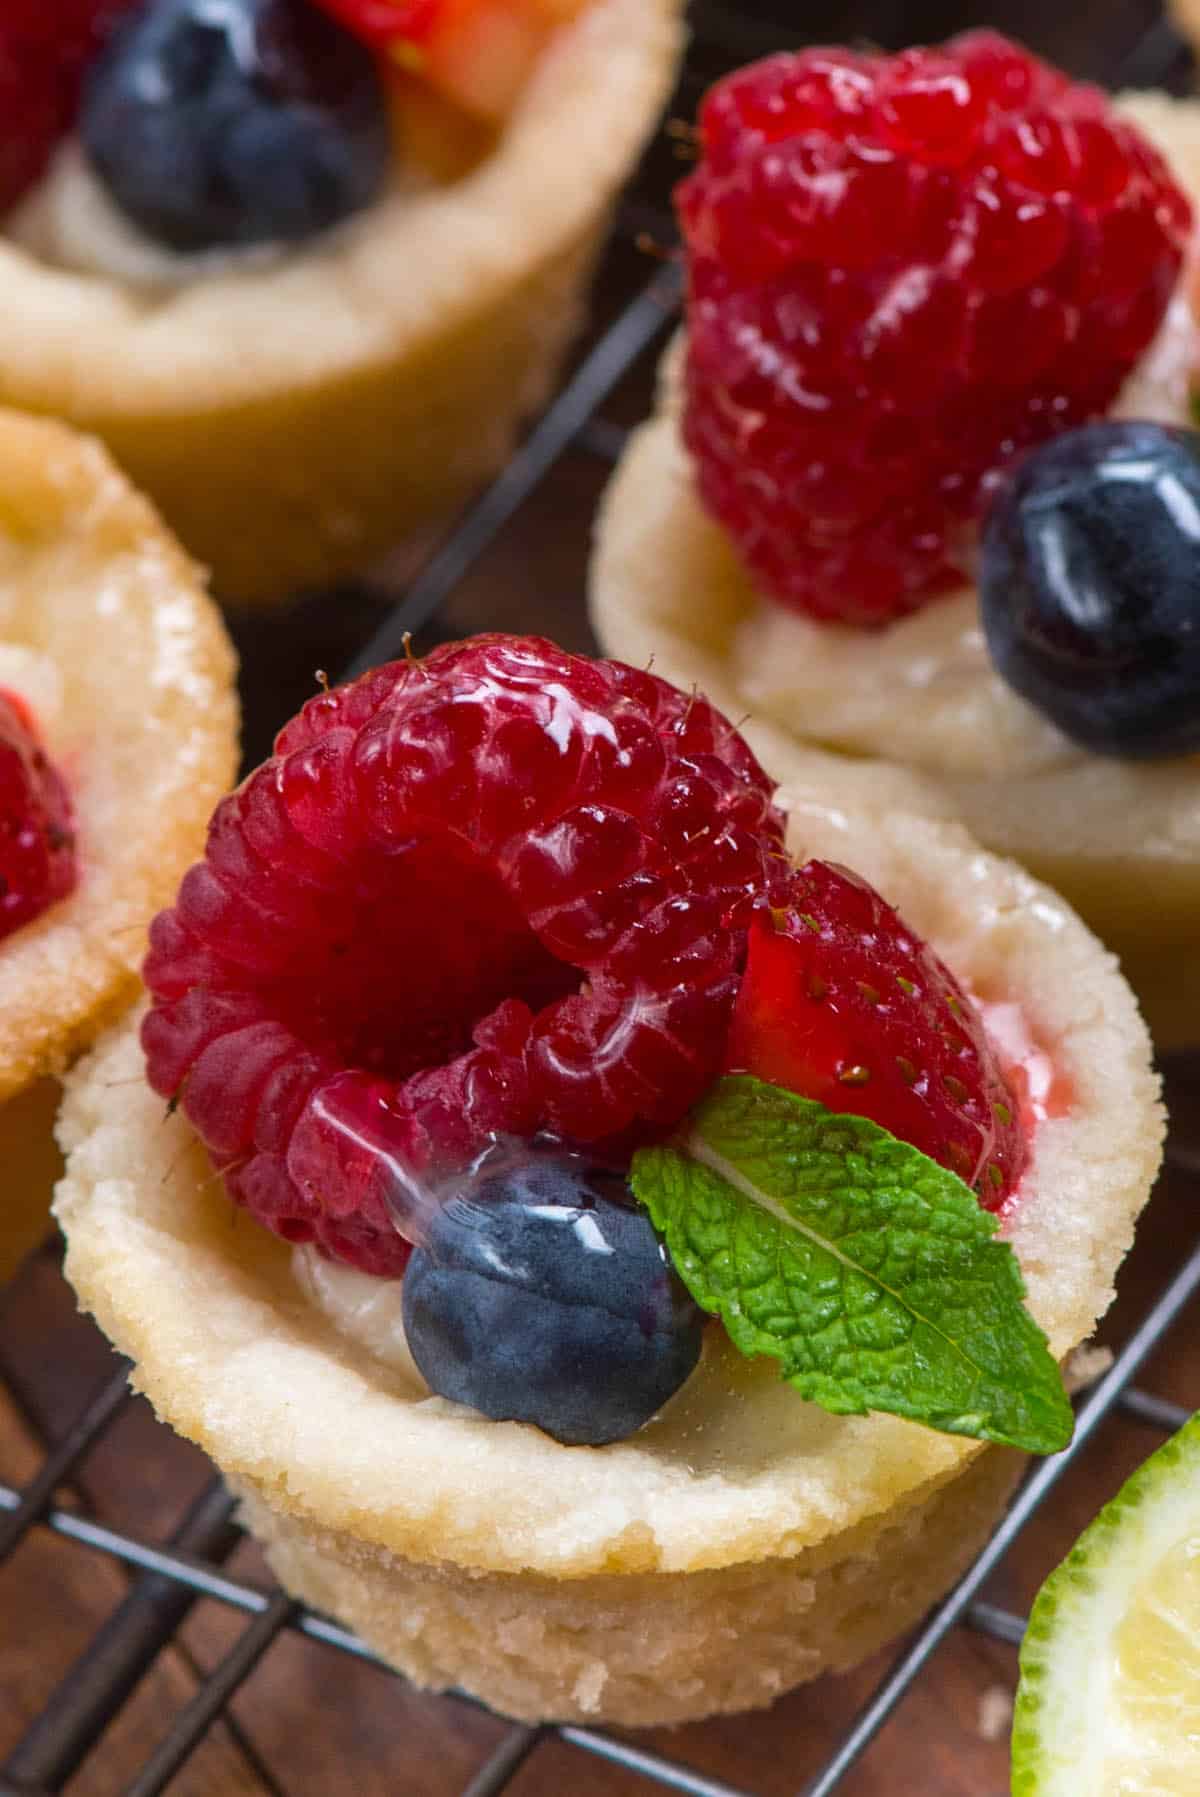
[
  {"x": 37, "y": 838},
  {"x": 902, "y": 271},
  {"x": 843, "y": 1002},
  {"x": 502, "y": 890},
  {"x": 44, "y": 51}
]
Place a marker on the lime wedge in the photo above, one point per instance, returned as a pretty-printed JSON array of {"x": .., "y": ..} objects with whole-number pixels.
[{"x": 1109, "y": 1699}]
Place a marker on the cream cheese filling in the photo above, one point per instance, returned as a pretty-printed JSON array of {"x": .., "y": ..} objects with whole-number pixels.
[
  {"x": 69, "y": 221},
  {"x": 363, "y": 1308}
]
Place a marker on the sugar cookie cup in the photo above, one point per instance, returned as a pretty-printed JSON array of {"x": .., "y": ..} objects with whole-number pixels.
[
  {"x": 107, "y": 632},
  {"x": 743, "y": 1541},
  {"x": 294, "y": 420}
]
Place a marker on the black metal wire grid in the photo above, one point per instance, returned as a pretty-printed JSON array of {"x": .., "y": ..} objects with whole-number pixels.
[{"x": 171, "y": 1576}]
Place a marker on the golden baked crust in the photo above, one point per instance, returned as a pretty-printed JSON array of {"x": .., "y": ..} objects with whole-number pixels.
[
  {"x": 147, "y": 737},
  {"x": 1186, "y": 14},
  {"x": 646, "y": 1648},
  {"x": 349, "y": 1469},
  {"x": 295, "y": 420},
  {"x": 951, "y": 742}
]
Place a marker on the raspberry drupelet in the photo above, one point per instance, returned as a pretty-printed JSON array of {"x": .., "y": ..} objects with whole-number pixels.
[
  {"x": 500, "y": 891},
  {"x": 37, "y": 829},
  {"x": 903, "y": 270}
]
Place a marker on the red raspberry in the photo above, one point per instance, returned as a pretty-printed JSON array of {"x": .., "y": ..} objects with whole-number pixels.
[
  {"x": 37, "y": 838},
  {"x": 903, "y": 270},
  {"x": 843, "y": 1002},
  {"x": 502, "y": 890},
  {"x": 45, "y": 50}
]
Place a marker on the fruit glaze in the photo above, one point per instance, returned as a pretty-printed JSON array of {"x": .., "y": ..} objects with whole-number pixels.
[
  {"x": 158, "y": 139},
  {"x": 491, "y": 946}
]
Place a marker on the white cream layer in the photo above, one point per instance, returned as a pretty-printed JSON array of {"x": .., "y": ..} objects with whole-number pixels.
[
  {"x": 68, "y": 221},
  {"x": 361, "y": 1307}
]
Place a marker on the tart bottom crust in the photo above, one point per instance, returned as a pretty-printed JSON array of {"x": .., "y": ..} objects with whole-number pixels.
[
  {"x": 666, "y": 585},
  {"x": 650, "y": 1648},
  {"x": 295, "y": 422},
  {"x": 744, "y": 1540}
]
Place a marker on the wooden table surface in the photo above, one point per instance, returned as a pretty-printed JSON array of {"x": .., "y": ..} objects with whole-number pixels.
[{"x": 311, "y": 1722}]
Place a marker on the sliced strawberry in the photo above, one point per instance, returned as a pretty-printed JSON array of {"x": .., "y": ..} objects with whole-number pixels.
[
  {"x": 386, "y": 24},
  {"x": 556, "y": 12},
  {"x": 479, "y": 53},
  {"x": 482, "y": 52},
  {"x": 841, "y": 1001}
]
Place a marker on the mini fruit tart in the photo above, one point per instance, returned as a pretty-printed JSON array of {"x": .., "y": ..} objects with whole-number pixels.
[
  {"x": 919, "y": 491},
  {"x": 118, "y": 731},
  {"x": 656, "y": 1252},
  {"x": 306, "y": 264}
]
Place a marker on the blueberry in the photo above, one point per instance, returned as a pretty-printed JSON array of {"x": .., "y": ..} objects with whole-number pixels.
[
  {"x": 1090, "y": 586},
  {"x": 217, "y": 123},
  {"x": 544, "y": 1296}
]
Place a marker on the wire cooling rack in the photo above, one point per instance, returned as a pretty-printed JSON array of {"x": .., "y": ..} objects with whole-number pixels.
[{"x": 169, "y": 1574}]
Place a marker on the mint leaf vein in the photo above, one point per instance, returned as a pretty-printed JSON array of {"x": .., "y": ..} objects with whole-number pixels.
[{"x": 868, "y": 1271}]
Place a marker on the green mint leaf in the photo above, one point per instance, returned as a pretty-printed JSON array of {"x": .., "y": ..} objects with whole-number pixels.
[{"x": 868, "y": 1271}]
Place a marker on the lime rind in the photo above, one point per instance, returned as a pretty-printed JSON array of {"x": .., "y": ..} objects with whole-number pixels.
[{"x": 1064, "y": 1721}]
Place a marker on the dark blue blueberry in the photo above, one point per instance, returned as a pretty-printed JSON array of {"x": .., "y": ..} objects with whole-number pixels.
[
  {"x": 217, "y": 123},
  {"x": 544, "y": 1296},
  {"x": 1090, "y": 583}
]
